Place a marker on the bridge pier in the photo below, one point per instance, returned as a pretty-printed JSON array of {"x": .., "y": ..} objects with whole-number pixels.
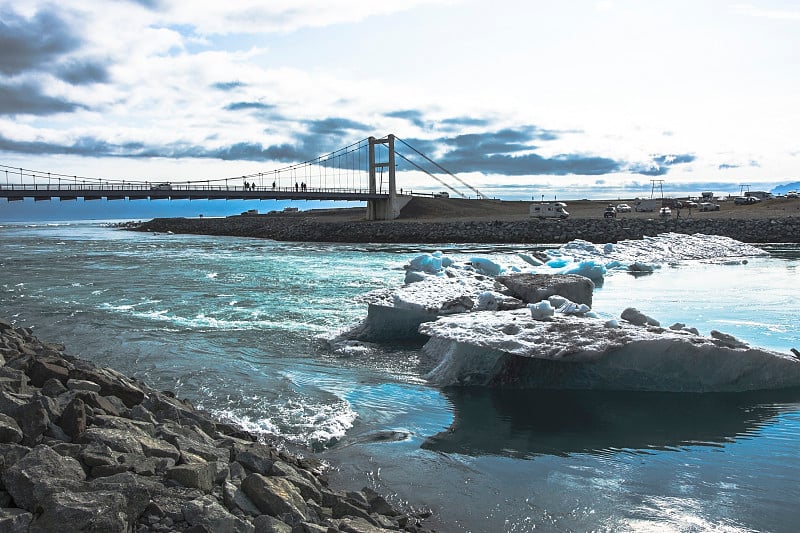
[
  {"x": 389, "y": 208},
  {"x": 386, "y": 209}
]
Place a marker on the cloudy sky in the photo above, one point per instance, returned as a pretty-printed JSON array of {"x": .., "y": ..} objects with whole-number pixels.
[{"x": 576, "y": 98}]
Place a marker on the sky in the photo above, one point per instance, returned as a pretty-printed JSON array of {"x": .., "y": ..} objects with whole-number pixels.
[{"x": 521, "y": 99}]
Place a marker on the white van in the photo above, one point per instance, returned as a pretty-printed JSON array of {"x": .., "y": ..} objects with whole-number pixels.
[
  {"x": 549, "y": 210},
  {"x": 647, "y": 206}
]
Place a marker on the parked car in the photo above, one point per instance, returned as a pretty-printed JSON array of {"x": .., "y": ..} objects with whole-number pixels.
[
  {"x": 792, "y": 194},
  {"x": 610, "y": 212},
  {"x": 689, "y": 204},
  {"x": 709, "y": 206},
  {"x": 665, "y": 212},
  {"x": 623, "y": 208},
  {"x": 745, "y": 200},
  {"x": 442, "y": 194}
]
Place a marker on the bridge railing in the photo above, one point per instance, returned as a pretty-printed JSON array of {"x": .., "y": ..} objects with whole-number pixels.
[{"x": 193, "y": 187}]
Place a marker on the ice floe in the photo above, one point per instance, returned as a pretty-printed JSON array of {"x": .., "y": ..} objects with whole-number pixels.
[{"x": 530, "y": 323}]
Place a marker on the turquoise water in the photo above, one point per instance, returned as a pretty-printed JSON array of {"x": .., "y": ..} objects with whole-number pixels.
[{"x": 235, "y": 325}]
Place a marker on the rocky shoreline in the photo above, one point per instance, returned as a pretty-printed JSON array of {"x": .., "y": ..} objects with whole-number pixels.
[
  {"x": 534, "y": 231},
  {"x": 88, "y": 449}
]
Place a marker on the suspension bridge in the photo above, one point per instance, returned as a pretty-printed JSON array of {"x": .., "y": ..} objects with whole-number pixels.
[{"x": 365, "y": 171}]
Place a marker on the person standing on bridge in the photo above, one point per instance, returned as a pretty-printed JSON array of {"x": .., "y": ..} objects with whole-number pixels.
[
  {"x": 296, "y": 187},
  {"x": 273, "y": 185}
]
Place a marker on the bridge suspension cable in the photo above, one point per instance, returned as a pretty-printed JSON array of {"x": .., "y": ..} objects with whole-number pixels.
[{"x": 440, "y": 167}]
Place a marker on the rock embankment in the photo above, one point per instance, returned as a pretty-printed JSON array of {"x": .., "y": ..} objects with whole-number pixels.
[
  {"x": 84, "y": 448},
  {"x": 534, "y": 231}
]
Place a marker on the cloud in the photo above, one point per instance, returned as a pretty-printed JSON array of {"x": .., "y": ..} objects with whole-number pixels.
[
  {"x": 82, "y": 72},
  {"x": 510, "y": 152},
  {"x": 412, "y": 115},
  {"x": 227, "y": 85},
  {"x": 306, "y": 146},
  {"x": 338, "y": 127},
  {"x": 238, "y": 106},
  {"x": 465, "y": 121},
  {"x": 149, "y": 4},
  {"x": 659, "y": 165},
  {"x": 778, "y": 14},
  {"x": 33, "y": 44},
  {"x": 28, "y": 99},
  {"x": 257, "y": 16}
]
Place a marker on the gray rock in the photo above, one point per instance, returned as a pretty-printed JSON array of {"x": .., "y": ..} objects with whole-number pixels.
[
  {"x": 207, "y": 512},
  {"x": 37, "y": 473},
  {"x": 116, "y": 439},
  {"x": 310, "y": 527},
  {"x": 73, "y": 419},
  {"x": 96, "y": 401},
  {"x": 257, "y": 458},
  {"x": 153, "y": 447},
  {"x": 237, "y": 471},
  {"x": 235, "y": 499},
  {"x": 33, "y": 420},
  {"x": 377, "y": 503},
  {"x": 270, "y": 524},
  {"x": 111, "y": 384},
  {"x": 360, "y": 525},
  {"x": 208, "y": 452},
  {"x": 308, "y": 489},
  {"x": 68, "y": 449},
  {"x": 139, "y": 412},
  {"x": 277, "y": 497},
  {"x": 97, "y": 454},
  {"x": 11, "y": 453},
  {"x": 54, "y": 432},
  {"x": 13, "y": 380},
  {"x": 10, "y": 432},
  {"x": 137, "y": 491},
  {"x": 343, "y": 508},
  {"x": 15, "y": 520},
  {"x": 53, "y": 388},
  {"x": 101, "y": 511},
  {"x": 198, "y": 475},
  {"x": 11, "y": 401},
  {"x": 43, "y": 369},
  {"x": 637, "y": 318},
  {"x": 82, "y": 384},
  {"x": 533, "y": 288}
]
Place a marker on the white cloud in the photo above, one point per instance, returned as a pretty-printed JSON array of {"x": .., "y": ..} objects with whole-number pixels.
[
  {"x": 210, "y": 17},
  {"x": 779, "y": 14}
]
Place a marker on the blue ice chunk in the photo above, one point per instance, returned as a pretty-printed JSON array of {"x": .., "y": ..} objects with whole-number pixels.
[
  {"x": 558, "y": 263},
  {"x": 589, "y": 269},
  {"x": 485, "y": 266}
]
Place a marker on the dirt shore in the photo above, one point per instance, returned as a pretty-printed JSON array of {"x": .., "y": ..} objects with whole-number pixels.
[{"x": 456, "y": 209}]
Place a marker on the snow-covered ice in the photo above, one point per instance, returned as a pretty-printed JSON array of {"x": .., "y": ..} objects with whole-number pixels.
[
  {"x": 507, "y": 324},
  {"x": 512, "y": 348}
]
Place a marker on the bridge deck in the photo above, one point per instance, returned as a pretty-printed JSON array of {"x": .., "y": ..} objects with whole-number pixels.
[{"x": 72, "y": 192}]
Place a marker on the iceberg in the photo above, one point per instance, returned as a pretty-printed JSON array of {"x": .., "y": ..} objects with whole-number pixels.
[
  {"x": 483, "y": 323},
  {"x": 515, "y": 349},
  {"x": 644, "y": 255}
]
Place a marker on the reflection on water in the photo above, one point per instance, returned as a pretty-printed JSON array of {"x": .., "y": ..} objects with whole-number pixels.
[{"x": 525, "y": 423}]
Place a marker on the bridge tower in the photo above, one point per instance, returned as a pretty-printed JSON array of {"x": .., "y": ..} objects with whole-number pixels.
[{"x": 388, "y": 209}]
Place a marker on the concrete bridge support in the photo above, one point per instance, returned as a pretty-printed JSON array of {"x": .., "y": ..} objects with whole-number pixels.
[{"x": 387, "y": 209}]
